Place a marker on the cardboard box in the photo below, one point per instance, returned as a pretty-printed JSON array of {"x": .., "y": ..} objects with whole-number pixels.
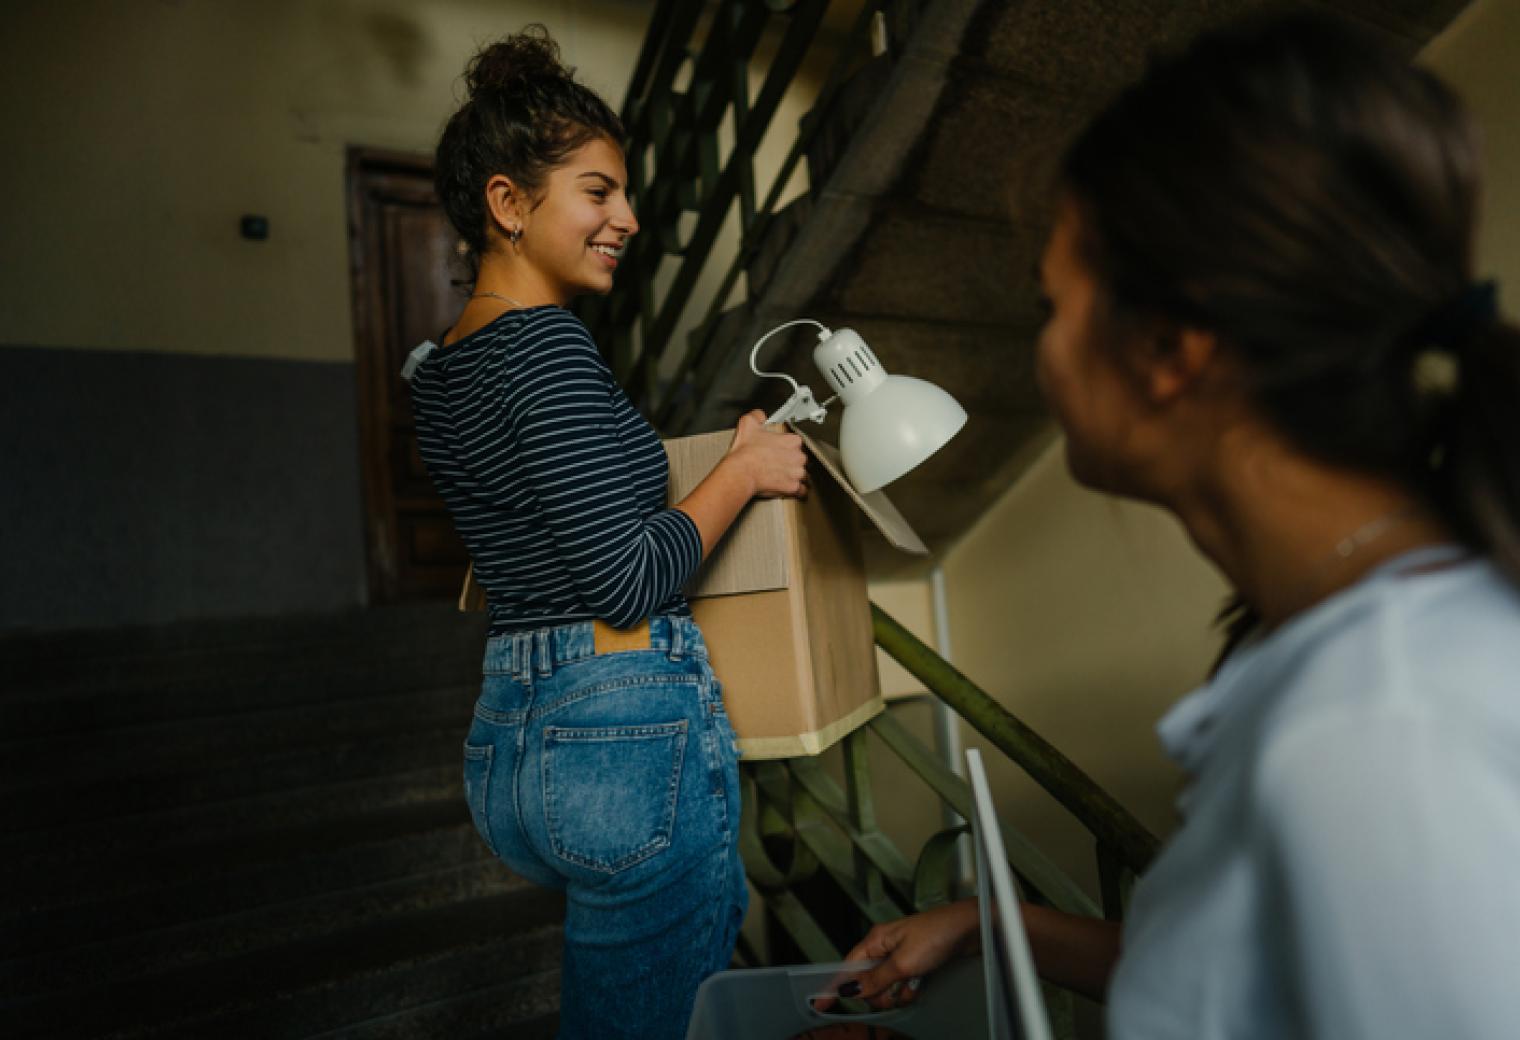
[{"x": 782, "y": 604}]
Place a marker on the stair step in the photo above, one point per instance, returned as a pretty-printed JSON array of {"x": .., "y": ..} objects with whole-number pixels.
[
  {"x": 134, "y": 671},
  {"x": 320, "y": 983},
  {"x": 61, "y": 658},
  {"x": 168, "y": 948},
  {"x": 40, "y": 803},
  {"x": 65, "y": 838},
  {"x": 526, "y": 1008},
  {"x": 61, "y": 903},
  {"x": 850, "y": 107},
  {"x": 353, "y": 676},
  {"x": 172, "y": 944},
  {"x": 778, "y": 235},
  {"x": 173, "y": 745}
]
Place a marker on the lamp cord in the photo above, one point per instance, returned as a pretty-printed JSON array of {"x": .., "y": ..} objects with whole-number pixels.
[{"x": 755, "y": 352}]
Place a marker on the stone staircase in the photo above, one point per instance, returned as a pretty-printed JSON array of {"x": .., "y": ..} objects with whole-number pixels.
[{"x": 257, "y": 829}]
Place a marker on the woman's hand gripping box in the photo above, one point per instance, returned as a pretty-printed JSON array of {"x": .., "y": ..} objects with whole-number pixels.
[{"x": 782, "y": 603}]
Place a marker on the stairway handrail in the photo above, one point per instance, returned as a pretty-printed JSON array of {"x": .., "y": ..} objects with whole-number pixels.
[
  {"x": 1097, "y": 810},
  {"x": 755, "y": 227}
]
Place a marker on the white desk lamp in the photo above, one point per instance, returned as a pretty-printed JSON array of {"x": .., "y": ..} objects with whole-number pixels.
[{"x": 890, "y": 423}]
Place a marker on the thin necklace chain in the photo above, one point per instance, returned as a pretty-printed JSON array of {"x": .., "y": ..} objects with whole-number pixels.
[
  {"x": 1349, "y": 544},
  {"x": 507, "y": 299},
  {"x": 1370, "y": 531}
]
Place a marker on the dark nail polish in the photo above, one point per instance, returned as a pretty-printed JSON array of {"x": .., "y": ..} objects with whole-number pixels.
[{"x": 850, "y": 989}]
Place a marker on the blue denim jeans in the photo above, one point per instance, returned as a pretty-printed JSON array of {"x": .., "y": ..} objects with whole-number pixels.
[{"x": 615, "y": 779}]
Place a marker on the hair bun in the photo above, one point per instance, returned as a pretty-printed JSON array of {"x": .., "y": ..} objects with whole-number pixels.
[{"x": 515, "y": 62}]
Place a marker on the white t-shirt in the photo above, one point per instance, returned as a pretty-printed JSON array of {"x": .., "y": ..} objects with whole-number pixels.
[{"x": 1349, "y": 861}]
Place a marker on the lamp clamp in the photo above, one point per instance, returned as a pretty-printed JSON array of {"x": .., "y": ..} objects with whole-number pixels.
[{"x": 801, "y": 405}]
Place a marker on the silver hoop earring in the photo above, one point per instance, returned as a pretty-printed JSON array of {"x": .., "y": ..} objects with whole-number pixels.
[{"x": 514, "y": 236}]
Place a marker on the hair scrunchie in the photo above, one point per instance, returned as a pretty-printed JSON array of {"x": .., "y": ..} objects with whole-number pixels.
[
  {"x": 1454, "y": 324},
  {"x": 1436, "y": 370}
]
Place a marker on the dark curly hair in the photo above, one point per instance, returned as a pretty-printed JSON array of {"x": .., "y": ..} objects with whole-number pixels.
[{"x": 524, "y": 114}]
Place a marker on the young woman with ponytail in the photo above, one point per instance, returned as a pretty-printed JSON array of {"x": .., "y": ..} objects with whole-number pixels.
[
  {"x": 599, "y": 761},
  {"x": 1265, "y": 319}
]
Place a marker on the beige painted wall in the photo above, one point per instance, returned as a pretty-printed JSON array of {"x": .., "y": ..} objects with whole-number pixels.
[
  {"x": 1086, "y": 617},
  {"x": 1479, "y": 55},
  {"x": 1089, "y": 617},
  {"x": 909, "y": 603},
  {"x": 139, "y": 133}
]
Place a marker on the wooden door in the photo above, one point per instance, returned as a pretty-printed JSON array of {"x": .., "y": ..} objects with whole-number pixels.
[{"x": 400, "y": 247}]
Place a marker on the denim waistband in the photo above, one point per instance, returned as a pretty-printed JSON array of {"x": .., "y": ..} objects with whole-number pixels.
[{"x": 540, "y": 649}]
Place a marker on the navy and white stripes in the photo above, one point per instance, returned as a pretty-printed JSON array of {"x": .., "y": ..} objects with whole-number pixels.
[{"x": 556, "y": 484}]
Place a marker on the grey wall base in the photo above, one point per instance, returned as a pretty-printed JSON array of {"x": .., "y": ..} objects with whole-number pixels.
[{"x": 149, "y": 488}]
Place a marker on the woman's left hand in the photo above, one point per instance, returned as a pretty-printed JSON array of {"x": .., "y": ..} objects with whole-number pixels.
[{"x": 909, "y": 948}]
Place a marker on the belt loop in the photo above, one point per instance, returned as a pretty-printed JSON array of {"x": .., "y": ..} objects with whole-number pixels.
[
  {"x": 677, "y": 637},
  {"x": 519, "y": 658},
  {"x": 545, "y": 650}
]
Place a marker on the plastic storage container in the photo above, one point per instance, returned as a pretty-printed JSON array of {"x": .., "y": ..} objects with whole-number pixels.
[{"x": 774, "y": 1004}]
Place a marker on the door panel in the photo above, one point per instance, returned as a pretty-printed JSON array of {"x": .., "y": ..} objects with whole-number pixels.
[{"x": 401, "y": 247}]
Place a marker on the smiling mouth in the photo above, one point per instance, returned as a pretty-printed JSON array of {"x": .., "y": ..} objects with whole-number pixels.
[{"x": 607, "y": 254}]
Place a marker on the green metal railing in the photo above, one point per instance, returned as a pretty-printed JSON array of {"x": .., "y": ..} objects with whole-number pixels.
[
  {"x": 795, "y": 806},
  {"x": 679, "y": 179}
]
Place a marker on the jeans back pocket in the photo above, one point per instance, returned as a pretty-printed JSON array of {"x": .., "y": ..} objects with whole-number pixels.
[{"x": 610, "y": 792}]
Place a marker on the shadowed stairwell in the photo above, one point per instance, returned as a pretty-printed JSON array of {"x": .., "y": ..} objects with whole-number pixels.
[{"x": 257, "y": 829}]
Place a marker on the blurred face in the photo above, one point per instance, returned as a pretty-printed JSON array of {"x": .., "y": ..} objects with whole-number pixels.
[
  {"x": 573, "y": 237},
  {"x": 1096, "y": 403}
]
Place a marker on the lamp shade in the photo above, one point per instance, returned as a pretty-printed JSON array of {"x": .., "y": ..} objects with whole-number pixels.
[{"x": 890, "y": 423}]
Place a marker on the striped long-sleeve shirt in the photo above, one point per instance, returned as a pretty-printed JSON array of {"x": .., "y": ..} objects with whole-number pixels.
[{"x": 556, "y": 484}]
